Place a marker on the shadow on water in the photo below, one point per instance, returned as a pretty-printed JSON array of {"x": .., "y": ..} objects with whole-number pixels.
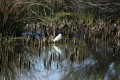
[{"x": 71, "y": 60}]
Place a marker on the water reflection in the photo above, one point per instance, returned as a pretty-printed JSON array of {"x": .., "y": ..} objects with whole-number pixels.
[
  {"x": 61, "y": 61},
  {"x": 57, "y": 49}
]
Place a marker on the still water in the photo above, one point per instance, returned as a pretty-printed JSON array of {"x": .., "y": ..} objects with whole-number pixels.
[{"x": 61, "y": 61}]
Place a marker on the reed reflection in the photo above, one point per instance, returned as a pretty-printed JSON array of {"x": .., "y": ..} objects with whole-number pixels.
[{"x": 72, "y": 60}]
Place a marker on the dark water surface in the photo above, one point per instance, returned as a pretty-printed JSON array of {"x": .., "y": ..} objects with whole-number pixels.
[{"x": 61, "y": 61}]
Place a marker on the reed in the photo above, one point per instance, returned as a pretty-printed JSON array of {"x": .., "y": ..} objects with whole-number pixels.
[{"x": 14, "y": 15}]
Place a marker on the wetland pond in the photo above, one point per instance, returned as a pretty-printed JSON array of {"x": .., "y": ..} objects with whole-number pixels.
[{"x": 60, "y": 61}]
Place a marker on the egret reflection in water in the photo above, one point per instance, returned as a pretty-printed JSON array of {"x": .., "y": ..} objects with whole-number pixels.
[{"x": 57, "y": 49}]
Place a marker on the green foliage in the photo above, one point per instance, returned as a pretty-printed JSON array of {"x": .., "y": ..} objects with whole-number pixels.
[
  {"x": 63, "y": 14},
  {"x": 89, "y": 20}
]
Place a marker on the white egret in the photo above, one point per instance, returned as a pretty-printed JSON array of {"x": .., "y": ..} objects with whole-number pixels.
[{"x": 57, "y": 38}]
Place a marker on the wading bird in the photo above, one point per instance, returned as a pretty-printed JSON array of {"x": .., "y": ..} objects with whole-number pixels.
[{"x": 57, "y": 38}]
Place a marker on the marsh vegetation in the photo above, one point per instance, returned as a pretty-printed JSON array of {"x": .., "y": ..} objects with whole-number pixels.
[{"x": 89, "y": 48}]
